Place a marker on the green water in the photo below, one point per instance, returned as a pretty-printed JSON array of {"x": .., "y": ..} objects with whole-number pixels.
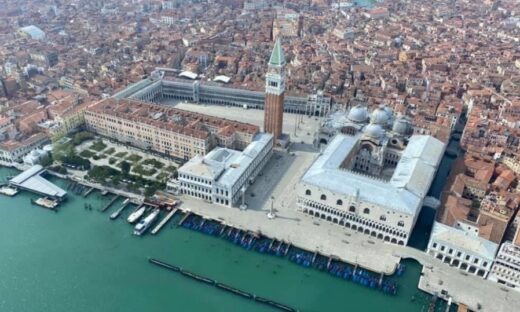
[{"x": 79, "y": 260}]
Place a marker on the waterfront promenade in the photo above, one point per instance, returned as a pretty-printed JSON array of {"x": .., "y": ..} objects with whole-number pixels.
[{"x": 313, "y": 234}]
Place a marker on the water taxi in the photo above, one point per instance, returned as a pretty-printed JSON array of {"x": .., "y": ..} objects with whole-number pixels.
[
  {"x": 134, "y": 216},
  {"x": 145, "y": 223}
]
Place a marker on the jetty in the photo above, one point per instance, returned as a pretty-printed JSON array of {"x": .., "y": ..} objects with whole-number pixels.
[
  {"x": 110, "y": 203},
  {"x": 222, "y": 286},
  {"x": 188, "y": 214},
  {"x": 164, "y": 221},
  {"x": 31, "y": 180},
  {"x": 88, "y": 192},
  {"x": 116, "y": 214}
]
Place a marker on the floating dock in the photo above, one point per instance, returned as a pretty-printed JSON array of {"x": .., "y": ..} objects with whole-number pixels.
[
  {"x": 110, "y": 203},
  {"x": 8, "y": 191},
  {"x": 88, "y": 192},
  {"x": 46, "y": 203},
  {"x": 188, "y": 214},
  {"x": 225, "y": 287},
  {"x": 163, "y": 221},
  {"x": 116, "y": 214}
]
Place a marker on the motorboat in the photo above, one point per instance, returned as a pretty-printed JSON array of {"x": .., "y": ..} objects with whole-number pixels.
[
  {"x": 145, "y": 223},
  {"x": 134, "y": 216}
]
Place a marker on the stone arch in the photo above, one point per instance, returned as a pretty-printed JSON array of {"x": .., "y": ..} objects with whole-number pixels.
[
  {"x": 308, "y": 192},
  {"x": 367, "y": 231},
  {"x": 380, "y": 236},
  {"x": 360, "y": 229},
  {"x": 323, "y": 197},
  {"x": 366, "y": 211},
  {"x": 374, "y": 234},
  {"x": 354, "y": 227},
  {"x": 387, "y": 238},
  {"x": 401, "y": 243},
  {"x": 393, "y": 241},
  {"x": 339, "y": 202}
]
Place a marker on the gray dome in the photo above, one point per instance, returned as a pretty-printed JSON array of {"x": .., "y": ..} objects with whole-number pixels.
[
  {"x": 401, "y": 126},
  {"x": 374, "y": 131},
  {"x": 358, "y": 114},
  {"x": 380, "y": 116}
]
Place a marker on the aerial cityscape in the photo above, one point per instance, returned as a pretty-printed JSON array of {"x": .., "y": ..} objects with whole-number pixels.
[{"x": 260, "y": 155}]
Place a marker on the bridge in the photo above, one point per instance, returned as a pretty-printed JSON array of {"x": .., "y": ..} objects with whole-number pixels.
[
  {"x": 31, "y": 180},
  {"x": 431, "y": 202}
]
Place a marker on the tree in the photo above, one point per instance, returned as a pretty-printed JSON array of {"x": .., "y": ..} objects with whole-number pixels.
[{"x": 125, "y": 167}]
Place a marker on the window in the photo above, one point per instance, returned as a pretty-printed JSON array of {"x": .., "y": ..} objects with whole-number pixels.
[
  {"x": 308, "y": 192},
  {"x": 459, "y": 254},
  {"x": 400, "y": 223},
  {"x": 366, "y": 211},
  {"x": 434, "y": 245},
  {"x": 383, "y": 218},
  {"x": 442, "y": 248},
  {"x": 352, "y": 209},
  {"x": 339, "y": 202},
  {"x": 450, "y": 251},
  {"x": 323, "y": 197},
  {"x": 467, "y": 257}
]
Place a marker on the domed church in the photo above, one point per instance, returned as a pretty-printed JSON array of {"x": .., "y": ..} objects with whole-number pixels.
[{"x": 373, "y": 174}]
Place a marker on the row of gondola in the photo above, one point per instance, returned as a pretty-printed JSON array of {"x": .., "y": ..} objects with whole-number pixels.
[{"x": 296, "y": 255}]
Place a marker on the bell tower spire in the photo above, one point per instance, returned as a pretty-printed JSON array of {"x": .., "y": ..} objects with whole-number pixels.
[{"x": 275, "y": 91}]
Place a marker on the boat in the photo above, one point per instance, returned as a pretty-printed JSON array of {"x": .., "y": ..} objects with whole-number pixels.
[
  {"x": 134, "y": 216},
  {"x": 8, "y": 191},
  {"x": 46, "y": 203},
  {"x": 145, "y": 223}
]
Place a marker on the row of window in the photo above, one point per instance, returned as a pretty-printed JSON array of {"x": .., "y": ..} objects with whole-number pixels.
[
  {"x": 458, "y": 254},
  {"x": 352, "y": 209}
]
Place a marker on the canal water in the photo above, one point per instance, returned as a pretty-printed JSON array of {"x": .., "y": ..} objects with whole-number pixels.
[{"x": 79, "y": 260}]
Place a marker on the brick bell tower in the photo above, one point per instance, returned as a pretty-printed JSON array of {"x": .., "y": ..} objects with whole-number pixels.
[{"x": 274, "y": 92}]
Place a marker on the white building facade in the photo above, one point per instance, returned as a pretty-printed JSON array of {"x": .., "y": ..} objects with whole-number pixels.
[
  {"x": 223, "y": 175},
  {"x": 370, "y": 178},
  {"x": 506, "y": 269},
  {"x": 462, "y": 248}
]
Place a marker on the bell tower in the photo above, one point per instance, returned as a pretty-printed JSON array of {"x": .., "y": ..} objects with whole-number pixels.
[{"x": 274, "y": 92}]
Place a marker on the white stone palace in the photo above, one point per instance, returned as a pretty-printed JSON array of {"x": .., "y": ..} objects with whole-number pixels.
[{"x": 373, "y": 176}]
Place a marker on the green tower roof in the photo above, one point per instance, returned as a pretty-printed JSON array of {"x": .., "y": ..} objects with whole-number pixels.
[{"x": 277, "y": 57}]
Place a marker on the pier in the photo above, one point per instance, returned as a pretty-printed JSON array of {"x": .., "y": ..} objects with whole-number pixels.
[
  {"x": 116, "y": 214},
  {"x": 163, "y": 221},
  {"x": 116, "y": 197},
  {"x": 88, "y": 192},
  {"x": 184, "y": 218},
  {"x": 222, "y": 286},
  {"x": 32, "y": 181}
]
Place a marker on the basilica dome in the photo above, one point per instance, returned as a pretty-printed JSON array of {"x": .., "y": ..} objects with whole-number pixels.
[
  {"x": 401, "y": 126},
  {"x": 358, "y": 114},
  {"x": 381, "y": 116},
  {"x": 374, "y": 131}
]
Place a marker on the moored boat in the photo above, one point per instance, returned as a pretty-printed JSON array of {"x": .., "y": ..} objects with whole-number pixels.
[
  {"x": 145, "y": 223},
  {"x": 134, "y": 216}
]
